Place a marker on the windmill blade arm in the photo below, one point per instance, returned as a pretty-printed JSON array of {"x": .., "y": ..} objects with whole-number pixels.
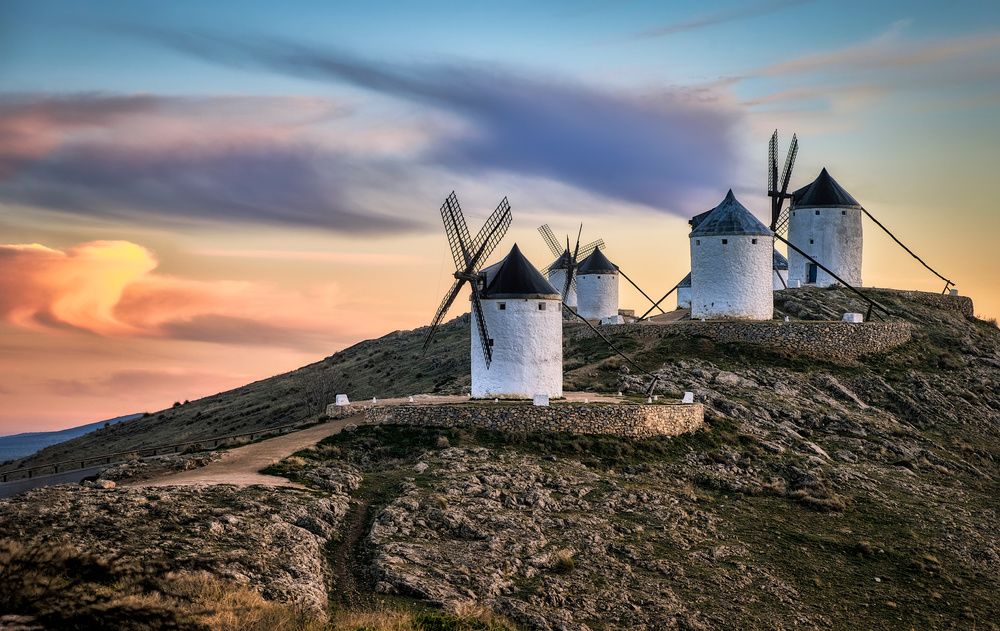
[
  {"x": 441, "y": 311},
  {"x": 786, "y": 175},
  {"x": 458, "y": 233},
  {"x": 588, "y": 249},
  {"x": 772, "y": 161},
  {"x": 550, "y": 239},
  {"x": 570, "y": 278},
  {"x": 656, "y": 305},
  {"x": 484, "y": 335},
  {"x": 489, "y": 236}
]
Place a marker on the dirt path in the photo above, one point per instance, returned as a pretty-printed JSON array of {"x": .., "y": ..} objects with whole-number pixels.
[{"x": 240, "y": 466}]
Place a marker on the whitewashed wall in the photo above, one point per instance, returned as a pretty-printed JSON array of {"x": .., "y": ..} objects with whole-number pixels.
[
  {"x": 558, "y": 280},
  {"x": 527, "y": 350},
  {"x": 732, "y": 280},
  {"x": 597, "y": 295},
  {"x": 837, "y": 244},
  {"x": 778, "y": 275},
  {"x": 683, "y": 297}
]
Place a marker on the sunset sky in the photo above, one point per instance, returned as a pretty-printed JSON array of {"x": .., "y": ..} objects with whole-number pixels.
[{"x": 194, "y": 195}]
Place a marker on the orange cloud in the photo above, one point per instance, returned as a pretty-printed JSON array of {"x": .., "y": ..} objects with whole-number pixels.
[
  {"x": 109, "y": 288},
  {"x": 42, "y": 288}
]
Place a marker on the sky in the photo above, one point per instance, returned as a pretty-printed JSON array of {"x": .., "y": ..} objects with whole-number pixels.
[{"x": 195, "y": 196}]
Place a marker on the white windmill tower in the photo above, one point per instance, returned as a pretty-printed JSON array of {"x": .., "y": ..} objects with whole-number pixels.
[
  {"x": 510, "y": 298},
  {"x": 525, "y": 313},
  {"x": 824, "y": 221},
  {"x": 562, "y": 272},
  {"x": 731, "y": 265},
  {"x": 597, "y": 288}
]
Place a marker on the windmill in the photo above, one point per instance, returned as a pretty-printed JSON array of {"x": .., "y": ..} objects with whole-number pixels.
[
  {"x": 777, "y": 189},
  {"x": 779, "y": 215},
  {"x": 566, "y": 261},
  {"x": 469, "y": 255}
]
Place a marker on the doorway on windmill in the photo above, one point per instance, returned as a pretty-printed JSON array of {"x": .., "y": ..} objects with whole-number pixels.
[{"x": 811, "y": 271}]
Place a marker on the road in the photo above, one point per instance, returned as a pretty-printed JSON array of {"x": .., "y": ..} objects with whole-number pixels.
[{"x": 8, "y": 489}]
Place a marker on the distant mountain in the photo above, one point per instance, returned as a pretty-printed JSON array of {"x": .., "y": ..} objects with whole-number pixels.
[{"x": 21, "y": 445}]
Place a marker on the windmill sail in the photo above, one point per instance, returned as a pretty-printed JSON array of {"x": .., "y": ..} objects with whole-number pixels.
[{"x": 469, "y": 255}]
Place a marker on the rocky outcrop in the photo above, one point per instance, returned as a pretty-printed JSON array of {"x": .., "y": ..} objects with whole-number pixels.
[{"x": 269, "y": 538}]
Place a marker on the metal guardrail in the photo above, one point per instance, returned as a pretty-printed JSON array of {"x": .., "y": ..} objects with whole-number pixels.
[{"x": 142, "y": 452}]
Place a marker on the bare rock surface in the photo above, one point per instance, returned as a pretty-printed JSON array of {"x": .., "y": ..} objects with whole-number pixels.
[{"x": 267, "y": 537}]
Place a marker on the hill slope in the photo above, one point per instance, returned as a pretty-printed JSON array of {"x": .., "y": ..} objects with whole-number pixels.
[
  {"x": 21, "y": 445},
  {"x": 822, "y": 494}
]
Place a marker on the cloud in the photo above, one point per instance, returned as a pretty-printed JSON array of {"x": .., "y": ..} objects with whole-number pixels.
[
  {"x": 108, "y": 288},
  {"x": 191, "y": 160},
  {"x": 934, "y": 74},
  {"x": 720, "y": 17},
  {"x": 890, "y": 51},
  {"x": 144, "y": 384},
  {"x": 656, "y": 150},
  {"x": 45, "y": 288},
  {"x": 350, "y": 258}
]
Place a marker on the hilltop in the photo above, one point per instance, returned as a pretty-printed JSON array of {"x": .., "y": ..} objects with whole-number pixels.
[{"x": 823, "y": 493}]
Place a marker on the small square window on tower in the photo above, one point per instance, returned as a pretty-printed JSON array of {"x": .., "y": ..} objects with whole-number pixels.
[
  {"x": 502, "y": 306},
  {"x": 753, "y": 241},
  {"x": 843, "y": 212},
  {"x": 541, "y": 306},
  {"x": 810, "y": 241},
  {"x": 817, "y": 212},
  {"x": 697, "y": 241},
  {"x": 725, "y": 241}
]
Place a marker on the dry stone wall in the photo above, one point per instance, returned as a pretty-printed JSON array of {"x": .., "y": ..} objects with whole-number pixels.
[
  {"x": 961, "y": 304},
  {"x": 630, "y": 421},
  {"x": 841, "y": 340}
]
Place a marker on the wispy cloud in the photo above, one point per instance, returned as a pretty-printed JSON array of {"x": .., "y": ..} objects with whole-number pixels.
[
  {"x": 890, "y": 51},
  {"x": 187, "y": 159},
  {"x": 351, "y": 258},
  {"x": 752, "y": 10},
  {"x": 653, "y": 150},
  {"x": 143, "y": 384},
  {"x": 934, "y": 74}
]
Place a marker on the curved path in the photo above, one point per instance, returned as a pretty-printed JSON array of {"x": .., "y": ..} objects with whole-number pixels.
[{"x": 241, "y": 466}]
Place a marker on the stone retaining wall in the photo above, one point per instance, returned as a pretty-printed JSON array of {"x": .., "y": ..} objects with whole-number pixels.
[
  {"x": 629, "y": 421},
  {"x": 840, "y": 340},
  {"x": 961, "y": 304}
]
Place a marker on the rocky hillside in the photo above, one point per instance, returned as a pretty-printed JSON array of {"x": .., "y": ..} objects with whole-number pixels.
[{"x": 822, "y": 494}]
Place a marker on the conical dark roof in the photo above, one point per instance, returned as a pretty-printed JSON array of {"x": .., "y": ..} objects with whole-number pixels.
[
  {"x": 562, "y": 262},
  {"x": 516, "y": 277},
  {"x": 823, "y": 192},
  {"x": 596, "y": 263},
  {"x": 697, "y": 219},
  {"x": 780, "y": 262},
  {"x": 730, "y": 217}
]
